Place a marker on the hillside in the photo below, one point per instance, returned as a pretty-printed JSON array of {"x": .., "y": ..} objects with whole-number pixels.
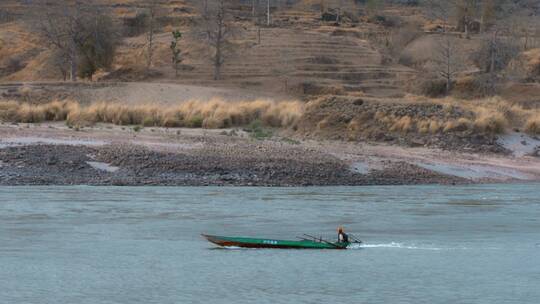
[
  {"x": 346, "y": 72},
  {"x": 299, "y": 54}
]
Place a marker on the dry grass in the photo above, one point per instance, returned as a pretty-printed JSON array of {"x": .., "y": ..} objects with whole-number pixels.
[
  {"x": 459, "y": 125},
  {"x": 493, "y": 115},
  {"x": 487, "y": 116},
  {"x": 532, "y": 58},
  {"x": 490, "y": 121},
  {"x": 403, "y": 124},
  {"x": 22, "y": 45},
  {"x": 9, "y": 110},
  {"x": 533, "y": 124},
  {"x": 210, "y": 114},
  {"x": 353, "y": 129},
  {"x": 419, "y": 119}
]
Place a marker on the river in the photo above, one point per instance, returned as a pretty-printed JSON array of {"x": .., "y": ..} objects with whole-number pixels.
[{"x": 422, "y": 244}]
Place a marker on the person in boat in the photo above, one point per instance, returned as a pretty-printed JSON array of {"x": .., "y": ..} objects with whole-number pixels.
[{"x": 342, "y": 236}]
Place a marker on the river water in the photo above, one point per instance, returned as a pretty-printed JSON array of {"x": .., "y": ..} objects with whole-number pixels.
[{"x": 422, "y": 244}]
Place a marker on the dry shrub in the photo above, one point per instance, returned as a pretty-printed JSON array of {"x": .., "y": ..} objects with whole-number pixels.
[
  {"x": 353, "y": 128},
  {"x": 532, "y": 58},
  {"x": 532, "y": 125},
  {"x": 490, "y": 121},
  {"x": 28, "y": 113},
  {"x": 459, "y": 125},
  {"x": 209, "y": 114},
  {"x": 283, "y": 114},
  {"x": 513, "y": 114},
  {"x": 172, "y": 119},
  {"x": 384, "y": 118},
  {"x": 403, "y": 124},
  {"x": 492, "y": 115},
  {"x": 222, "y": 114},
  {"x": 58, "y": 110},
  {"x": 380, "y": 115},
  {"x": 99, "y": 112},
  {"x": 31, "y": 114},
  {"x": 323, "y": 124},
  {"x": 423, "y": 126},
  {"x": 76, "y": 117},
  {"x": 432, "y": 87},
  {"x": 9, "y": 110},
  {"x": 434, "y": 126}
]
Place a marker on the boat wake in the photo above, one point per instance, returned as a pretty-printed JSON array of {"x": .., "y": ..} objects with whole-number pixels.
[
  {"x": 228, "y": 248},
  {"x": 232, "y": 247},
  {"x": 394, "y": 245}
]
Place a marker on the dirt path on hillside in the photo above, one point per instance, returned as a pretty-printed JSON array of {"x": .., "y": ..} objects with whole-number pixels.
[
  {"x": 126, "y": 92},
  {"x": 105, "y": 154}
]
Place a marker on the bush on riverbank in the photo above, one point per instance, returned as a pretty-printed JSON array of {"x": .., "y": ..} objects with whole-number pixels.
[
  {"x": 418, "y": 121},
  {"x": 533, "y": 125},
  {"x": 211, "y": 114},
  {"x": 328, "y": 117}
]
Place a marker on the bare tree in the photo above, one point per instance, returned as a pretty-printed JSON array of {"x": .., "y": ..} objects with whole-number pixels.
[
  {"x": 268, "y": 19},
  {"x": 488, "y": 14},
  {"x": 449, "y": 61},
  {"x": 501, "y": 41},
  {"x": 254, "y": 7},
  {"x": 218, "y": 32},
  {"x": 496, "y": 52},
  {"x": 466, "y": 12},
  {"x": 259, "y": 15},
  {"x": 81, "y": 37},
  {"x": 341, "y": 8},
  {"x": 62, "y": 26},
  {"x": 152, "y": 12},
  {"x": 288, "y": 67},
  {"x": 60, "y": 61}
]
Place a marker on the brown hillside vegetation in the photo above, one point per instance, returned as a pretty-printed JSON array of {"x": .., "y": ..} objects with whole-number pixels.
[
  {"x": 440, "y": 123},
  {"x": 298, "y": 53},
  {"x": 349, "y": 68}
]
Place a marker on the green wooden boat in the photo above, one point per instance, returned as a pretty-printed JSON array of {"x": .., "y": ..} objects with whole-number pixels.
[{"x": 245, "y": 242}]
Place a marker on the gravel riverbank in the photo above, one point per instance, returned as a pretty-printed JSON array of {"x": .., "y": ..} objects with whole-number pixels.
[
  {"x": 239, "y": 165},
  {"x": 52, "y": 154}
]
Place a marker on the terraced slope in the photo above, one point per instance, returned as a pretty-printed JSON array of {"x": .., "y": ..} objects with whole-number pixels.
[{"x": 299, "y": 56}]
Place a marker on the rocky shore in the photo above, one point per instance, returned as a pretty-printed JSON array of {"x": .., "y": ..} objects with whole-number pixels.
[
  {"x": 239, "y": 165},
  {"x": 54, "y": 154}
]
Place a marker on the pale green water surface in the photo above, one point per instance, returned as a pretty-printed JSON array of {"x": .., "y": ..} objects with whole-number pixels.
[{"x": 423, "y": 244}]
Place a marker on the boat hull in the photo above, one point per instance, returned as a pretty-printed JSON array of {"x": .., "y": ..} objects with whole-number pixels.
[{"x": 243, "y": 242}]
